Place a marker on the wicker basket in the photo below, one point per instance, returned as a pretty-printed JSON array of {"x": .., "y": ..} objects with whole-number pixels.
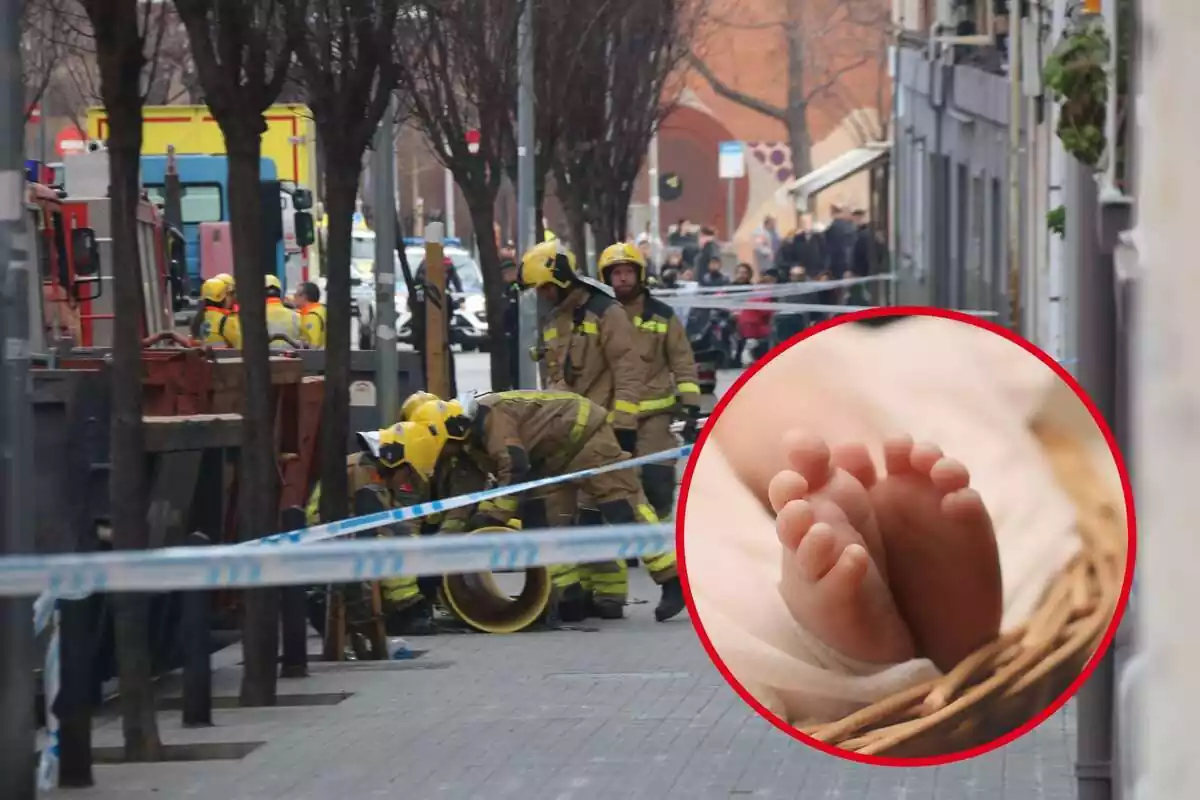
[{"x": 1008, "y": 682}]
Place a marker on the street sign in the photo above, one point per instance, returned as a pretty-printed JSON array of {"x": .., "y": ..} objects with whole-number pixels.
[
  {"x": 732, "y": 160},
  {"x": 70, "y": 140},
  {"x": 670, "y": 187}
]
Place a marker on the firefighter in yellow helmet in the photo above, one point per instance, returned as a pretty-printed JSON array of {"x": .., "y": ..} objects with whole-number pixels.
[
  {"x": 591, "y": 348},
  {"x": 415, "y": 401},
  {"x": 671, "y": 387},
  {"x": 217, "y": 324},
  {"x": 397, "y": 464},
  {"x": 455, "y": 474},
  {"x": 228, "y": 279},
  {"x": 281, "y": 320},
  {"x": 520, "y": 436}
]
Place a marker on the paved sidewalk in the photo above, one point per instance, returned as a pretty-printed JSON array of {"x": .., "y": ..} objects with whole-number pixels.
[{"x": 631, "y": 710}]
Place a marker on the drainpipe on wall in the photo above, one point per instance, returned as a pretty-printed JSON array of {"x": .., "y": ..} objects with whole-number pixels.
[
  {"x": 894, "y": 177},
  {"x": 1013, "y": 223},
  {"x": 1056, "y": 343}
]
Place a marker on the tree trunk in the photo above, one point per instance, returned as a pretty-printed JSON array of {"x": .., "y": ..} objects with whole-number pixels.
[
  {"x": 799, "y": 140},
  {"x": 258, "y": 470},
  {"x": 341, "y": 188},
  {"x": 128, "y": 481},
  {"x": 482, "y": 216}
]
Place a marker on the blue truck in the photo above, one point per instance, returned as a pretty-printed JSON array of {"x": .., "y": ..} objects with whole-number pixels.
[{"x": 204, "y": 180}]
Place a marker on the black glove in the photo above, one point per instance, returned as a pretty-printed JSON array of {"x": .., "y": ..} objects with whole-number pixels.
[
  {"x": 628, "y": 440},
  {"x": 689, "y": 412}
]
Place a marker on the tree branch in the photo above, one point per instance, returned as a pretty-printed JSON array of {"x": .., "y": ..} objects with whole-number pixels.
[{"x": 734, "y": 95}]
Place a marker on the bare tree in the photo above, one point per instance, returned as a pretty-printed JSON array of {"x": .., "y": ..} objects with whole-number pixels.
[
  {"x": 559, "y": 31},
  {"x": 626, "y": 84},
  {"x": 822, "y": 41},
  {"x": 242, "y": 54},
  {"x": 125, "y": 41},
  {"x": 459, "y": 75},
  {"x": 40, "y": 52},
  {"x": 176, "y": 79},
  {"x": 347, "y": 54}
]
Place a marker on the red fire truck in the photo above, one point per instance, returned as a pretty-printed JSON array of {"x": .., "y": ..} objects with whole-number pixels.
[{"x": 73, "y": 246}]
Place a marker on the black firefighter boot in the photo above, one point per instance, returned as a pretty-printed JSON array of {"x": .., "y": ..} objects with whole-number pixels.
[
  {"x": 671, "y": 603},
  {"x": 606, "y": 607},
  {"x": 414, "y": 619},
  {"x": 566, "y": 606}
]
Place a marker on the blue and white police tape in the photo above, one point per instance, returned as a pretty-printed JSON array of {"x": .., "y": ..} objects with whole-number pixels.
[
  {"x": 47, "y": 773},
  {"x": 347, "y": 527},
  {"x": 43, "y": 607},
  {"x": 771, "y": 289},
  {"x": 234, "y": 566},
  {"x": 732, "y": 304}
]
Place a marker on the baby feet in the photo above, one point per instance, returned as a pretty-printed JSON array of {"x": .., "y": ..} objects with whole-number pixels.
[
  {"x": 944, "y": 566},
  {"x": 834, "y": 575},
  {"x": 885, "y": 569}
]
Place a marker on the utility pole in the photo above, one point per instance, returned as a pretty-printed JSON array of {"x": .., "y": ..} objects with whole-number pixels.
[
  {"x": 652, "y": 179},
  {"x": 17, "y": 729},
  {"x": 437, "y": 362},
  {"x": 383, "y": 169},
  {"x": 527, "y": 338},
  {"x": 448, "y": 179},
  {"x": 1013, "y": 225}
]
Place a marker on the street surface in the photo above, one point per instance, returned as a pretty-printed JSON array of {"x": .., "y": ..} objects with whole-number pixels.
[{"x": 619, "y": 709}]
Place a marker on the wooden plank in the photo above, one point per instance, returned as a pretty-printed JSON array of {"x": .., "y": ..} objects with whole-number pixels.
[{"x": 196, "y": 432}]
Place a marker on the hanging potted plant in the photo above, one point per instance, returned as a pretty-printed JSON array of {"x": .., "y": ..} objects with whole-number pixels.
[{"x": 1076, "y": 78}]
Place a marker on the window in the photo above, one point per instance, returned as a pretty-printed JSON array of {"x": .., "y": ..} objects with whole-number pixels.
[
  {"x": 974, "y": 296},
  {"x": 198, "y": 202}
]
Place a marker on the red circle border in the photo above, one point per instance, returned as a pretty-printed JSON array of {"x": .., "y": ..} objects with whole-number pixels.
[{"x": 1130, "y": 524}]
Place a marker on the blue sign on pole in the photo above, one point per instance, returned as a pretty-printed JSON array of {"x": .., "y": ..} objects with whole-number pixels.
[{"x": 732, "y": 160}]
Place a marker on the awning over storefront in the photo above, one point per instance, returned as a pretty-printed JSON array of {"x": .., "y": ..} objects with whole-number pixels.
[{"x": 839, "y": 169}]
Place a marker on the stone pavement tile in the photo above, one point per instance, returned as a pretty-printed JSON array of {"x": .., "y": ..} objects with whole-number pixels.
[{"x": 633, "y": 709}]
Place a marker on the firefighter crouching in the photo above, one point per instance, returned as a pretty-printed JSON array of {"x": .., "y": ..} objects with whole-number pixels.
[
  {"x": 398, "y": 463},
  {"x": 589, "y": 348},
  {"x": 671, "y": 369},
  {"x": 217, "y": 324},
  {"x": 519, "y": 436},
  {"x": 283, "y": 323}
]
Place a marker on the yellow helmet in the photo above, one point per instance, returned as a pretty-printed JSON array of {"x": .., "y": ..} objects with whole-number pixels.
[
  {"x": 549, "y": 235},
  {"x": 227, "y": 279},
  {"x": 448, "y": 416},
  {"x": 413, "y": 402},
  {"x": 215, "y": 290},
  {"x": 413, "y": 443},
  {"x": 622, "y": 253},
  {"x": 548, "y": 262},
  {"x": 273, "y": 282}
]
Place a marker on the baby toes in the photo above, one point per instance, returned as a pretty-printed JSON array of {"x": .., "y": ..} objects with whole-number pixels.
[
  {"x": 817, "y": 554},
  {"x": 793, "y": 523},
  {"x": 965, "y": 506},
  {"x": 949, "y": 475},
  {"x": 785, "y": 487},
  {"x": 809, "y": 455},
  {"x": 924, "y": 457},
  {"x": 855, "y": 459},
  {"x": 897, "y": 455},
  {"x": 849, "y": 571}
]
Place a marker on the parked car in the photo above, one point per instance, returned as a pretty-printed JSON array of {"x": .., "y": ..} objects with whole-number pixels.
[{"x": 468, "y": 326}]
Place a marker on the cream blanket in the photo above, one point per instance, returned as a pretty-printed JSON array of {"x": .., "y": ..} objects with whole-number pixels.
[{"x": 968, "y": 390}]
